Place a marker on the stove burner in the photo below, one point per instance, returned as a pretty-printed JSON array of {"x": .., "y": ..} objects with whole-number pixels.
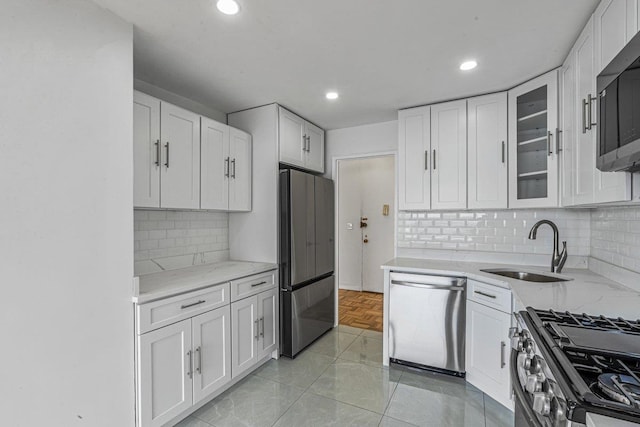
[{"x": 621, "y": 388}]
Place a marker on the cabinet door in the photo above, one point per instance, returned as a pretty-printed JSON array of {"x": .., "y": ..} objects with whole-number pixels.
[
  {"x": 146, "y": 151},
  {"x": 180, "y": 174},
  {"x": 315, "y": 148},
  {"x": 568, "y": 109},
  {"x": 244, "y": 335},
  {"x": 214, "y": 165},
  {"x": 241, "y": 168},
  {"x": 487, "y": 351},
  {"x": 211, "y": 351},
  {"x": 165, "y": 370},
  {"x": 487, "y": 134},
  {"x": 267, "y": 322},
  {"x": 615, "y": 24},
  {"x": 449, "y": 155},
  {"x": 414, "y": 146},
  {"x": 584, "y": 164},
  {"x": 291, "y": 129},
  {"x": 533, "y": 158}
]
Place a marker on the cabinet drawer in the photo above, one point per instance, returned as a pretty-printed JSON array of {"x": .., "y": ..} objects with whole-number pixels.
[
  {"x": 160, "y": 313},
  {"x": 252, "y": 285},
  {"x": 489, "y": 295}
]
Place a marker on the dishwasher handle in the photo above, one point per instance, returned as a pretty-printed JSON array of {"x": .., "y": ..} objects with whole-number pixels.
[{"x": 455, "y": 287}]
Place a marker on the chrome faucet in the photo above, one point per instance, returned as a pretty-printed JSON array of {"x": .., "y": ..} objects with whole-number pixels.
[{"x": 557, "y": 259}]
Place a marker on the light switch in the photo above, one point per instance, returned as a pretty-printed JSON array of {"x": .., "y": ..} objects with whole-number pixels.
[{"x": 349, "y": 226}]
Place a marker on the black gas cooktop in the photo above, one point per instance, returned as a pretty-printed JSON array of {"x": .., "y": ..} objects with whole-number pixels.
[{"x": 600, "y": 357}]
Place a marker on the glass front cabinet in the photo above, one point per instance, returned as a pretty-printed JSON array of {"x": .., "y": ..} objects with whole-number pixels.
[{"x": 534, "y": 142}]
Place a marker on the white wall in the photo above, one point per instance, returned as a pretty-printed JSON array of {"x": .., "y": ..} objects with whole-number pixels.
[
  {"x": 367, "y": 139},
  {"x": 66, "y": 226},
  {"x": 180, "y": 101}
]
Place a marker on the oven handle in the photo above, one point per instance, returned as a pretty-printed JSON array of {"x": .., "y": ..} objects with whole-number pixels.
[{"x": 520, "y": 394}]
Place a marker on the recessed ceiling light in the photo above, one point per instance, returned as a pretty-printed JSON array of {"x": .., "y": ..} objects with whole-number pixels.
[
  {"x": 468, "y": 65},
  {"x": 228, "y": 7},
  {"x": 332, "y": 95}
]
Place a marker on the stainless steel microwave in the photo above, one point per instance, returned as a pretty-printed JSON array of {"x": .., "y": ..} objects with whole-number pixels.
[{"x": 619, "y": 111}]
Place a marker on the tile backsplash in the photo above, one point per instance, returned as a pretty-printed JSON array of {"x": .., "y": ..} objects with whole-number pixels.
[
  {"x": 615, "y": 236},
  {"x": 489, "y": 231},
  {"x": 176, "y": 237}
]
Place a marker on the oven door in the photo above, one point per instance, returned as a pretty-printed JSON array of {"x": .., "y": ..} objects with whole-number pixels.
[{"x": 524, "y": 414}]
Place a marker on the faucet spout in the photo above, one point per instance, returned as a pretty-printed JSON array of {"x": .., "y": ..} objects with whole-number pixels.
[{"x": 557, "y": 258}]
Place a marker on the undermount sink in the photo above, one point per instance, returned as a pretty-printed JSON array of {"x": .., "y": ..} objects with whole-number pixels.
[{"x": 524, "y": 275}]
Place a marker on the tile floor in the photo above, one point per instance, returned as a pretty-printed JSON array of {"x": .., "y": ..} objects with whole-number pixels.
[{"x": 340, "y": 381}]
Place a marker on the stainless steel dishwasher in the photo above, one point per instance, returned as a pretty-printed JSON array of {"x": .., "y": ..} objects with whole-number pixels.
[{"x": 427, "y": 321}]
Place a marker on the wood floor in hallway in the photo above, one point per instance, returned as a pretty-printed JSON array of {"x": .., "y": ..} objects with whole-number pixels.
[{"x": 360, "y": 309}]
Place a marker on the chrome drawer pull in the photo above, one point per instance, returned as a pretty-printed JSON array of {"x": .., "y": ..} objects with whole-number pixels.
[
  {"x": 502, "y": 356},
  {"x": 258, "y": 284},
  {"x": 191, "y": 305},
  {"x": 485, "y": 294}
]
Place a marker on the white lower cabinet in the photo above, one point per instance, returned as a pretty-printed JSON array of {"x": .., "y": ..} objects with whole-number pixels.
[
  {"x": 182, "y": 364},
  {"x": 488, "y": 350},
  {"x": 254, "y": 321}
]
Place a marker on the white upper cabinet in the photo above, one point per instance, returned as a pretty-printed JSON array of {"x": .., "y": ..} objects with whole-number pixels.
[
  {"x": 582, "y": 182},
  {"x": 146, "y": 151},
  {"x": 449, "y": 155},
  {"x": 315, "y": 148},
  {"x": 487, "y": 145},
  {"x": 414, "y": 145},
  {"x": 180, "y": 175},
  {"x": 615, "y": 23},
  {"x": 240, "y": 154},
  {"x": 533, "y": 133},
  {"x": 301, "y": 143},
  {"x": 215, "y": 165}
]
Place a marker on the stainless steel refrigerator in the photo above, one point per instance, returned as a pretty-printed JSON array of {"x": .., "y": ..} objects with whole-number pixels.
[{"x": 307, "y": 289}]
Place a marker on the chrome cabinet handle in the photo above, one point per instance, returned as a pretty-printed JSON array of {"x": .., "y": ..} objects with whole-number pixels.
[
  {"x": 190, "y": 372},
  {"x": 549, "y": 151},
  {"x": 191, "y": 305},
  {"x": 255, "y": 323},
  {"x": 503, "y": 151},
  {"x": 503, "y": 362},
  {"x": 226, "y": 167},
  {"x": 199, "y": 360},
  {"x": 304, "y": 143},
  {"x": 584, "y": 116},
  {"x": 484, "y": 294},
  {"x": 157, "y": 144},
  {"x": 308, "y": 143},
  {"x": 558, "y": 147},
  {"x": 590, "y": 100},
  {"x": 434, "y": 159},
  {"x": 262, "y": 326},
  {"x": 426, "y": 159},
  {"x": 233, "y": 164},
  {"x": 258, "y": 284},
  {"x": 167, "y": 147}
]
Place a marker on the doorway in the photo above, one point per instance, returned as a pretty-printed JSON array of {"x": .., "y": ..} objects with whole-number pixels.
[{"x": 365, "y": 224}]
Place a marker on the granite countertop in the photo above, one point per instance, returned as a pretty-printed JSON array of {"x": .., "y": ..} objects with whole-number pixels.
[
  {"x": 587, "y": 293},
  {"x": 165, "y": 284}
]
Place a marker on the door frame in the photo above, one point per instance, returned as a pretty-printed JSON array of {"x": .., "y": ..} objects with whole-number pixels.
[{"x": 335, "y": 177}]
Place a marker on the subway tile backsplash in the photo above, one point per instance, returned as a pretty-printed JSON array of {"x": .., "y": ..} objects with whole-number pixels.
[
  {"x": 502, "y": 231},
  {"x": 615, "y": 236},
  {"x": 200, "y": 236}
]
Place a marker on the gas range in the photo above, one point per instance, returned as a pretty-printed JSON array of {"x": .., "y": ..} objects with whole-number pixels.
[{"x": 566, "y": 365}]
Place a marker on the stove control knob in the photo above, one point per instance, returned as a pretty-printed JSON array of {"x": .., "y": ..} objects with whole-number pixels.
[
  {"x": 537, "y": 365},
  {"x": 528, "y": 346},
  {"x": 533, "y": 384},
  {"x": 542, "y": 403},
  {"x": 557, "y": 411},
  {"x": 549, "y": 387}
]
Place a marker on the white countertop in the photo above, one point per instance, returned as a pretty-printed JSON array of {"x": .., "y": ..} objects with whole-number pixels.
[
  {"x": 174, "y": 282},
  {"x": 587, "y": 293}
]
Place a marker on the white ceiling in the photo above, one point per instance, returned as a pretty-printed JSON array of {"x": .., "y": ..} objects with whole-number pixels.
[{"x": 379, "y": 55}]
